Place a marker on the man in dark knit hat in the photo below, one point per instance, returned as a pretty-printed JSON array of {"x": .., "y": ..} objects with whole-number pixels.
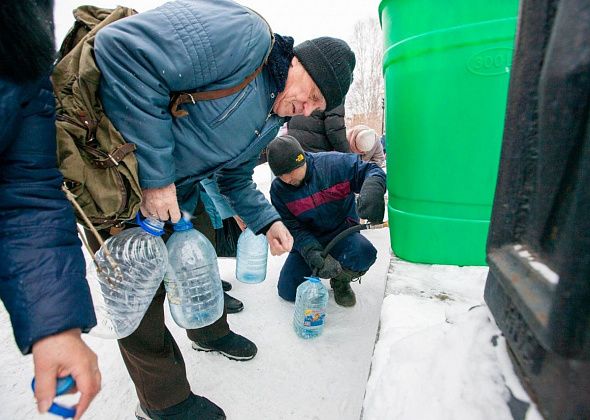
[
  {"x": 315, "y": 195},
  {"x": 200, "y": 47}
]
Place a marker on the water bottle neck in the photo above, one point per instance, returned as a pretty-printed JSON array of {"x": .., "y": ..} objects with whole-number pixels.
[{"x": 151, "y": 225}]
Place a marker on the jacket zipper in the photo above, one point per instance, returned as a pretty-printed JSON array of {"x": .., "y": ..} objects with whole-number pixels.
[{"x": 236, "y": 103}]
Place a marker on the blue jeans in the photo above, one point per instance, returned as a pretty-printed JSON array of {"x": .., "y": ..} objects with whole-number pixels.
[{"x": 354, "y": 253}]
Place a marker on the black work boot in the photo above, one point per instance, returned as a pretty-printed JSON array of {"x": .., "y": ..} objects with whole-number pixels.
[
  {"x": 232, "y": 305},
  {"x": 194, "y": 407},
  {"x": 232, "y": 346},
  {"x": 343, "y": 294},
  {"x": 226, "y": 285}
]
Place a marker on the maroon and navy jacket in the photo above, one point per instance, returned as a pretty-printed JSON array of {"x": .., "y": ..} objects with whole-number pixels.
[{"x": 324, "y": 204}]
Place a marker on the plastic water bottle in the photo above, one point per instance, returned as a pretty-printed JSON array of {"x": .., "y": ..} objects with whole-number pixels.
[
  {"x": 192, "y": 282},
  {"x": 251, "y": 254},
  {"x": 310, "y": 308},
  {"x": 129, "y": 285}
]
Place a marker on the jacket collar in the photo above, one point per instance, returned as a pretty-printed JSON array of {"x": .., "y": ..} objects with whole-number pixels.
[{"x": 279, "y": 60}]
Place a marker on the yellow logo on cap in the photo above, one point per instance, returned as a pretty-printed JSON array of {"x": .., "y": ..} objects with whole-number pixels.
[{"x": 299, "y": 157}]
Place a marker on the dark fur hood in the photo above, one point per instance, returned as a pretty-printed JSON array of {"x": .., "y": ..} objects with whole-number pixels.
[{"x": 27, "y": 48}]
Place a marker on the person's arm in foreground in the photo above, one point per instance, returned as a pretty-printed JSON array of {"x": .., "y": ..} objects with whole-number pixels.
[{"x": 42, "y": 277}]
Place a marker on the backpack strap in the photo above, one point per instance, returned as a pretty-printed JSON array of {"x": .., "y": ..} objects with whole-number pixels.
[{"x": 180, "y": 98}]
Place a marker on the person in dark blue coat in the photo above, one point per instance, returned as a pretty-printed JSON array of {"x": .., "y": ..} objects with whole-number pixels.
[
  {"x": 315, "y": 195},
  {"x": 42, "y": 273}
]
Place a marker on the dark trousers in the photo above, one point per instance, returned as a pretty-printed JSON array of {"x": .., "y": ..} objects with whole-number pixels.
[
  {"x": 354, "y": 252},
  {"x": 150, "y": 353}
]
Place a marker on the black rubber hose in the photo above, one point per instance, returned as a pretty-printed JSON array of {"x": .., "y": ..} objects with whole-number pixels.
[
  {"x": 343, "y": 234},
  {"x": 337, "y": 238}
]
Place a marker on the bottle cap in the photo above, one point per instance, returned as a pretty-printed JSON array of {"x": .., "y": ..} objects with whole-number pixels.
[
  {"x": 182, "y": 225},
  {"x": 150, "y": 225},
  {"x": 313, "y": 279}
]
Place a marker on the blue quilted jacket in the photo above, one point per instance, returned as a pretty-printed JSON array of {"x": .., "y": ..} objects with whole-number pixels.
[
  {"x": 324, "y": 204},
  {"x": 187, "y": 46},
  {"x": 42, "y": 270}
]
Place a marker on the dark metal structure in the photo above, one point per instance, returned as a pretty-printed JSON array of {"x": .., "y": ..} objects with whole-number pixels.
[{"x": 538, "y": 287}]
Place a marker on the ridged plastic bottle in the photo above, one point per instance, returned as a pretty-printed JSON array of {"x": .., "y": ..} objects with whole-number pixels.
[
  {"x": 128, "y": 288},
  {"x": 310, "y": 308},
  {"x": 251, "y": 255},
  {"x": 192, "y": 282}
]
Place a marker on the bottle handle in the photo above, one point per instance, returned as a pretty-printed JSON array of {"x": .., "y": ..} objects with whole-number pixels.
[{"x": 63, "y": 385}]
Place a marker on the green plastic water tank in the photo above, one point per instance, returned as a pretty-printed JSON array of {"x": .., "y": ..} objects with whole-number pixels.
[{"x": 446, "y": 68}]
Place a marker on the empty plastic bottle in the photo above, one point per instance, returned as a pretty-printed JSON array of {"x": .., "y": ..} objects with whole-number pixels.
[
  {"x": 251, "y": 254},
  {"x": 310, "y": 308},
  {"x": 130, "y": 277},
  {"x": 192, "y": 282}
]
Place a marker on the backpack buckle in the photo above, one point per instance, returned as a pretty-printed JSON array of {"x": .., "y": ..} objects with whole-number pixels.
[{"x": 113, "y": 159}]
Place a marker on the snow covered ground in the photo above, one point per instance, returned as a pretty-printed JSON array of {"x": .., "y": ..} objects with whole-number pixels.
[{"x": 438, "y": 355}]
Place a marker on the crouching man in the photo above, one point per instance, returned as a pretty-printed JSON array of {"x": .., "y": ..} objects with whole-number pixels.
[{"x": 314, "y": 194}]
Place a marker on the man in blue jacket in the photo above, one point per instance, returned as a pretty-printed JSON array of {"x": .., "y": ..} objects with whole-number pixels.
[
  {"x": 315, "y": 195},
  {"x": 42, "y": 273},
  {"x": 196, "y": 46}
]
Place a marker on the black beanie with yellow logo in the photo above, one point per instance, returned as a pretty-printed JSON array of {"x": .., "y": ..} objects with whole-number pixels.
[{"x": 284, "y": 154}]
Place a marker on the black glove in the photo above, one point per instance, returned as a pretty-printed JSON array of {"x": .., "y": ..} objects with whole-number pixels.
[
  {"x": 327, "y": 268},
  {"x": 371, "y": 201}
]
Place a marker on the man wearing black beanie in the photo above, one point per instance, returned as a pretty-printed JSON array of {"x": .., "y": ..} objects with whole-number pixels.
[
  {"x": 330, "y": 63},
  {"x": 233, "y": 82},
  {"x": 315, "y": 195}
]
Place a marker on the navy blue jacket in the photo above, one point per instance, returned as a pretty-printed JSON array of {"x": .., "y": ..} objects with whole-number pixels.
[
  {"x": 324, "y": 204},
  {"x": 187, "y": 46},
  {"x": 42, "y": 270}
]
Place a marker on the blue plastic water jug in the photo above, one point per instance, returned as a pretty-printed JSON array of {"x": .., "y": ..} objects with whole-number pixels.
[
  {"x": 129, "y": 278},
  {"x": 252, "y": 254},
  {"x": 311, "y": 302},
  {"x": 192, "y": 282}
]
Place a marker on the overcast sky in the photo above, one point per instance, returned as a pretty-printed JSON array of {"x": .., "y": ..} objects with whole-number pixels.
[{"x": 301, "y": 19}]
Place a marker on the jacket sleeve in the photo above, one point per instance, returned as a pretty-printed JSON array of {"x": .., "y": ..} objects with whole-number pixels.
[
  {"x": 42, "y": 277},
  {"x": 135, "y": 97},
  {"x": 360, "y": 170},
  {"x": 237, "y": 186},
  {"x": 336, "y": 129},
  {"x": 301, "y": 235}
]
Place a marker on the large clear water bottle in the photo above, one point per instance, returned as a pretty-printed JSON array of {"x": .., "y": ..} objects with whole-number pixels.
[
  {"x": 251, "y": 254},
  {"x": 192, "y": 282},
  {"x": 310, "y": 308},
  {"x": 129, "y": 276}
]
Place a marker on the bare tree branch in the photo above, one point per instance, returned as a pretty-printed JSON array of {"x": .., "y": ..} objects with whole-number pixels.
[{"x": 364, "y": 100}]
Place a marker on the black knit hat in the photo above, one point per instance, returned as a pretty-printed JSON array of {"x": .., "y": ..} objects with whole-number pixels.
[
  {"x": 284, "y": 154},
  {"x": 330, "y": 63}
]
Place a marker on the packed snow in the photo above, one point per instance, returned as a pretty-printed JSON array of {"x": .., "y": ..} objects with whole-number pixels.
[{"x": 439, "y": 354}]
